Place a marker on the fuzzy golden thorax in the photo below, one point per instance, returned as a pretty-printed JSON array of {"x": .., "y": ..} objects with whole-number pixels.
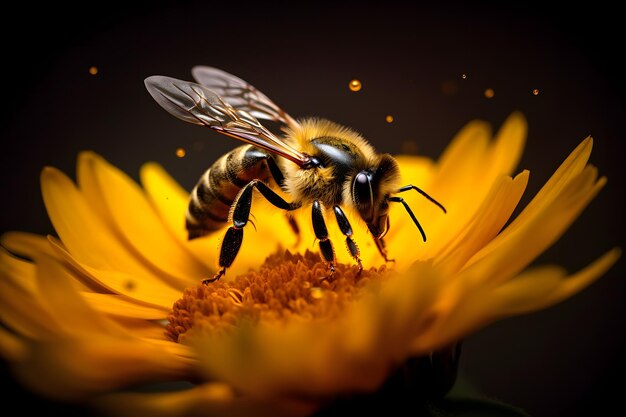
[{"x": 343, "y": 153}]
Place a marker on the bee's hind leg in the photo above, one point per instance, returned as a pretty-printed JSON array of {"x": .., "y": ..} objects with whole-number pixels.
[
  {"x": 346, "y": 229},
  {"x": 240, "y": 216}
]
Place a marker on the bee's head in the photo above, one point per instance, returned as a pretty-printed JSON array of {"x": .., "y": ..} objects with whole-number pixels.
[{"x": 371, "y": 189}]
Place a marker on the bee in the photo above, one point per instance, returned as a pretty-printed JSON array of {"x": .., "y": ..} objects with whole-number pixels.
[{"x": 316, "y": 162}]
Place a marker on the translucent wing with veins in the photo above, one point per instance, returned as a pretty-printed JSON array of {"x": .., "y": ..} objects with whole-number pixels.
[
  {"x": 241, "y": 95},
  {"x": 197, "y": 104}
]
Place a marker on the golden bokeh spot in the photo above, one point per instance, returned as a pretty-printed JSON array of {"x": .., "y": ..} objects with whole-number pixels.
[
  {"x": 389, "y": 118},
  {"x": 93, "y": 70},
  {"x": 489, "y": 93},
  {"x": 180, "y": 152},
  {"x": 464, "y": 76},
  {"x": 286, "y": 286},
  {"x": 355, "y": 85},
  {"x": 536, "y": 92}
]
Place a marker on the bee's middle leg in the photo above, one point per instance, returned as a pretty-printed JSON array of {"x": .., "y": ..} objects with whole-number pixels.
[
  {"x": 321, "y": 233},
  {"x": 240, "y": 216},
  {"x": 346, "y": 229}
]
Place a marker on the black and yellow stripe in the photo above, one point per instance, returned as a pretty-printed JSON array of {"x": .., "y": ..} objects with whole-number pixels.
[{"x": 216, "y": 191}]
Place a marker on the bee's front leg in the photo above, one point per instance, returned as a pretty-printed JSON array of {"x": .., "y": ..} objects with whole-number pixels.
[
  {"x": 321, "y": 233},
  {"x": 346, "y": 229},
  {"x": 380, "y": 245}
]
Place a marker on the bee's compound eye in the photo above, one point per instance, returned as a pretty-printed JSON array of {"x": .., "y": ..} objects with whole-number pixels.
[{"x": 363, "y": 195}]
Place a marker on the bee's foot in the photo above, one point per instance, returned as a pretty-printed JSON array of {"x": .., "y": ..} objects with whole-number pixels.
[
  {"x": 331, "y": 273},
  {"x": 360, "y": 264},
  {"x": 215, "y": 277}
]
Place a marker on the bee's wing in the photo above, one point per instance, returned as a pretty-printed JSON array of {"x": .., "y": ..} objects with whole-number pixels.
[
  {"x": 241, "y": 95},
  {"x": 197, "y": 104}
]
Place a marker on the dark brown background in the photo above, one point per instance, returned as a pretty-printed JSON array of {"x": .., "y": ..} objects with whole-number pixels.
[{"x": 556, "y": 362}]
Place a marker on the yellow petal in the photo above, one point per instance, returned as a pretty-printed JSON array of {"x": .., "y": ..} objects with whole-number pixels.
[
  {"x": 141, "y": 328},
  {"x": 167, "y": 196},
  {"x": 471, "y": 310},
  {"x": 292, "y": 360},
  {"x": 65, "y": 304},
  {"x": 464, "y": 154},
  {"x": 26, "y": 244},
  {"x": 73, "y": 369},
  {"x": 152, "y": 293},
  {"x": 170, "y": 200},
  {"x": 567, "y": 287},
  {"x": 456, "y": 182},
  {"x": 82, "y": 232},
  {"x": 507, "y": 149},
  {"x": 133, "y": 218},
  {"x": 22, "y": 315},
  {"x": 511, "y": 251},
  {"x": 467, "y": 171},
  {"x": 91, "y": 242},
  {"x": 18, "y": 272},
  {"x": 490, "y": 218},
  {"x": 90, "y": 187},
  {"x": 416, "y": 170},
  {"x": 120, "y": 306},
  {"x": 405, "y": 307},
  {"x": 272, "y": 229},
  {"x": 205, "y": 400},
  {"x": 173, "y": 348},
  {"x": 528, "y": 289},
  {"x": 11, "y": 347},
  {"x": 323, "y": 357},
  {"x": 570, "y": 168},
  {"x": 532, "y": 290}
]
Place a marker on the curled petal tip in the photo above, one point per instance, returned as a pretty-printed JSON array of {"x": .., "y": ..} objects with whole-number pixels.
[
  {"x": 615, "y": 253},
  {"x": 48, "y": 171},
  {"x": 87, "y": 154},
  {"x": 518, "y": 116}
]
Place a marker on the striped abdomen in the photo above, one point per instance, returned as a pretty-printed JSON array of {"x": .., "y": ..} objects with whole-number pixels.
[{"x": 217, "y": 189}]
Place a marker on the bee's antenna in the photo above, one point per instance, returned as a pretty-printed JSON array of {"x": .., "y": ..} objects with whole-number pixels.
[
  {"x": 408, "y": 209},
  {"x": 422, "y": 192}
]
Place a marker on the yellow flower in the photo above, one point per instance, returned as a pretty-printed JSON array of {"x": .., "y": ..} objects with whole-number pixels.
[{"x": 90, "y": 314}]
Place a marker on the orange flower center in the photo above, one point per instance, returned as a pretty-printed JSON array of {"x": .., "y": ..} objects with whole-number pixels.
[{"x": 285, "y": 287}]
